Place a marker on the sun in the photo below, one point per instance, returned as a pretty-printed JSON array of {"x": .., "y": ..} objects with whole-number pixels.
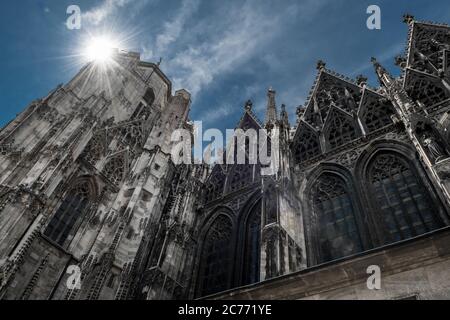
[{"x": 100, "y": 49}]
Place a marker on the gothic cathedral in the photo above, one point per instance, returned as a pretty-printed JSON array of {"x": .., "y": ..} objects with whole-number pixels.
[{"x": 92, "y": 205}]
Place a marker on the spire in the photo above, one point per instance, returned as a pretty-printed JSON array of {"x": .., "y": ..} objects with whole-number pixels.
[
  {"x": 271, "y": 112},
  {"x": 284, "y": 117},
  {"x": 383, "y": 75}
]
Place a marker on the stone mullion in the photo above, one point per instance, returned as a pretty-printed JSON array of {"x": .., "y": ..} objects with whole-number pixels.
[
  {"x": 400, "y": 203},
  {"x": 416, "y": 204}
]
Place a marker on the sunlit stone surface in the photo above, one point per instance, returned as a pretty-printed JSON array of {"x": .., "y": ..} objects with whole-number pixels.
[{"x": 89, "y": 191}]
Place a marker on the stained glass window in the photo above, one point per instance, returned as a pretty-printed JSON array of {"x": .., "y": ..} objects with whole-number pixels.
[
  {"x": 336, "y": 230},
  {"x": 252, "y": 246},
  {"x": 216, "y": 263},
  {"x": 405, "y": 205},
  {"x": 72, "y": 208}
]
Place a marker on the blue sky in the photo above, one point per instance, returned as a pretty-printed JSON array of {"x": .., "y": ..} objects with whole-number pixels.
[{"x": 223, "y": 52}]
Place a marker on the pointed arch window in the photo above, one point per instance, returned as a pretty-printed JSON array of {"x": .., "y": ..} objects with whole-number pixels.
[
  {"x": 216, "y": 264},
  {"x": 71, "y": 210},
  {"x": 149, "y": 96},
  {"x": 335, "y": 224},
  {"x": 252, "y": 247},
  {"x": 143, "y": 111},
  {"x": 406, "y": 207}
]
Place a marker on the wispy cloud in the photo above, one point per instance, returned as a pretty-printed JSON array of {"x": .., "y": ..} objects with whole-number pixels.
[
  {"x": 106, "y": 9},
  {"x": 173, "y": 28},
  {"x": 218, "y": 113},
  {"x": 232, "y": 35},
  {"x": 384, "y": 56}
]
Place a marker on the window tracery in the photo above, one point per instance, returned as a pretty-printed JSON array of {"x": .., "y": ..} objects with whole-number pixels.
[
  {"x": 95, "y": 150},
  {"x": 405, "y": 205},
  {"x": 115, "y": 169},
  {"x": 340, "y": 130},
  {"x": 73, "y": 207},
  {"x": 377, "y": 113},
  {"x": 252, "y": 252},
  {"x": 306, "y": 146},
  {"x": 216, "y": 184},
  {"x": 429, "y": 42},
  {"x": 337, "y": 234},
  {"x": 334, "y": 92},
  {"x": 216, "y": 263},
  {"x": 426, "y": 91},
  {"x": 241, "y": 176}
]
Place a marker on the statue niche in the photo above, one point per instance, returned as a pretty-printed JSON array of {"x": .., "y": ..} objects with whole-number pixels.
[
  {"x": 433, "y": 146},
  {"x": 431, "y": 139}
]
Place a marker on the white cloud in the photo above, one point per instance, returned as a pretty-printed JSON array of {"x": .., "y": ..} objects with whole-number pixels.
[
  {"x": 198, "y": 52},
  {"x": 100, "y": 13},
  {"x": 244, "y": 30},
  {"x": 173, "y": 28},
  {"x": 217, "y": 113}
]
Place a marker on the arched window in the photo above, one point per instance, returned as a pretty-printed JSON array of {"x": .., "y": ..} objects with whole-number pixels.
[
  {"x": 335, "y": 225},
  {"x": 72, "y": 208},
  {"x": 406, "y": 207},
  {"x": 149, "y": 97},
  {"x": 216, "y": 264},
  {"x": 252, "y": 243}
]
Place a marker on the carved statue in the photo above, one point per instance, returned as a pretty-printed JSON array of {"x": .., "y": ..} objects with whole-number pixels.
[{"x": 435, "y": 150}]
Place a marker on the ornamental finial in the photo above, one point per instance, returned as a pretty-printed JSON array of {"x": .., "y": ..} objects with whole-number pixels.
[
  {"x": 383, "y": 75},
  {"x": 321, "y": 65},
  {"x": 300, "y": 111},
  {"x": 407, "y": 18},
  {"x": 248, "y": 105},
  {"x": 400, "y": 60},
  {"x": 361, "y": 80}
]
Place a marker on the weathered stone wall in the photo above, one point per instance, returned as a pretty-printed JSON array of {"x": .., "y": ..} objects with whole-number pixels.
[{"x": 87, "y": 131}]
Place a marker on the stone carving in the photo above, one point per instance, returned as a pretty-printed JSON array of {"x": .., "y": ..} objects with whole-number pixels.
[
  {"x": 348, "y": 159},
  {"x": 434, "y": 149},
  {"x": 149, "y": 233}
]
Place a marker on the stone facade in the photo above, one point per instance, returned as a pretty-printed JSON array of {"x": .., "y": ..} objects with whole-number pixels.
[{"x": 89, "y": 190}]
